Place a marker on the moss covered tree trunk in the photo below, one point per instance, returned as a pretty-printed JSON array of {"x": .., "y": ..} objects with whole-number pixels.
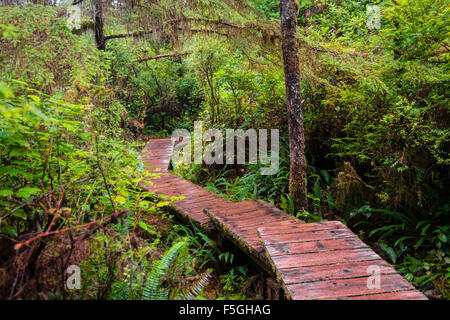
[
  {"x": 297, "y": 180},
  {"x": 99, "y": 31}
]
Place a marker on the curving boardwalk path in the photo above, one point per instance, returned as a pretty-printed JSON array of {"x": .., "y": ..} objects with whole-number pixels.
[{"x": 323, "y": 260}]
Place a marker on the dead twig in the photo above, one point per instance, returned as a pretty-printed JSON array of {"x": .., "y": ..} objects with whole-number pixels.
[{"x": 106, "y": 220}]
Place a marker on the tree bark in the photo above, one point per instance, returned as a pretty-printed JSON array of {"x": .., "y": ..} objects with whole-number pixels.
[
  {"x": 289, "y": 42},
  {"x": 99, "y": 23}
]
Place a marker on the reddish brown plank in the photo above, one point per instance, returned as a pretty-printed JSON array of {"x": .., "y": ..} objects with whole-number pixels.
[
  {"x": 325, "y": 257},
  {"x": 297, "y": 226},
  {"x": 339, "y": 271},
  {"x": 327, "y": 264},
  {"x": 334, "y": 289},
  {"x": 247, "y": 217},
  {"x": 245, "y": 228},
  {"x": 201, "y": 200},
  {"x": 399, "y": 295},
  {"x": 315, "y": 246},
  {"x": 156, "y": 156},
  {"x": 240, "y": 208},
  {"x": 253, "y": 227},
  {"x": 309, "y": 236}
]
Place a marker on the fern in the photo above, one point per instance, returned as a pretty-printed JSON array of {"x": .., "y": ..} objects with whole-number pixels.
[
  {"x": 123, "y": 292},
  {"x": 152, "y": 289},
  {"x": 196, "y": 289}
]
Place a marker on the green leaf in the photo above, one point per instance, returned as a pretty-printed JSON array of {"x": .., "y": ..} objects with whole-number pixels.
[
  {"x": 5, "y": 91},
  {"x": 391, "y": 253},
  {"x": 34, "y": 98},
  {"x": 399, "y": 216},
  {"x": 17, "y": 152},
  {"x": 27, "y": 192},
  {"x": 20, "y": 214},
  {"x": 402, "y": 239},
  {"x": 146, "y": 227},
  {"x": 419, "y": 243},
  {"x": 9, "y": 230},
  {"x": 424, "y": 229},
  {"x": 442, "y": 237},
  {"x": 325, "y": 175},
  {"x": 5, "y": 193},
  {"x": 85, "y": 135},
  {"x": 389, "y": 227},
  {"x": 162, "y": 204},
  {"x": 120, "y": 199}
]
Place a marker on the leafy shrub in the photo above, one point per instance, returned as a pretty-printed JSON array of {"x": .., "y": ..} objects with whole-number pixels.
[{"x": 42, "y": 51}]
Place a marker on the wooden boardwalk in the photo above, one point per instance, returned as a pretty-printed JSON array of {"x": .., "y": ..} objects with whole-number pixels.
[
  {"x": 326, "y": 260},
  {"x": 323, "y": 260}
]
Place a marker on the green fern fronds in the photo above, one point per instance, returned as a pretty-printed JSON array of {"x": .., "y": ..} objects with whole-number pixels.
[
  {"x": 152, "y": 289},
  {"x": 196, "y": 289}
]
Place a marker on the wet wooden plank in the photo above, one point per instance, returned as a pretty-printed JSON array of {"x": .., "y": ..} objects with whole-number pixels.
[
  {"x": 324, "y": 258},
  {"x": 156, "y": 156},
  {"x": 309, "y": 236},
  {"x": 339, "y": 271},
  {"x": 181, "y": 188},
  {"x": 279, "y": 219},
  {"x": 201, "y": 200},
  {"x": 316, "y": 246},
  {"x": 198, "y": 207},
  {"x": 247, "y": 217},
  {"x": 297, "y": 226},
  {"x": 399, "y": 295},
  {"x": 244, "y": 228},
  {"x": 248, "y": 242},
  {"x": 327, "y": 263},
  {"x": 237, "y": 208},
  {"x": 334, "y": 289},
  {"x": 253, "y": 227},
  {"x": 161, "y": 181}
]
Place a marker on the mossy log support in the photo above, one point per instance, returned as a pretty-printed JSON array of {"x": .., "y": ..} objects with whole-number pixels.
[{"x": 323, "y": 260}]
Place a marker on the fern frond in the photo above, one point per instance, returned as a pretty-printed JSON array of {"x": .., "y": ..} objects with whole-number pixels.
[
  {"x": 152, "y": 289},
  {"x": 197, "y": 287}
]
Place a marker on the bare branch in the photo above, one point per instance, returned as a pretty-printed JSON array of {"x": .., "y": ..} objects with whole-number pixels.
[
  {"x": 106, "y": 220},
  {"x": 164, "y": 55},
  {"x": 126, "y": 35}
]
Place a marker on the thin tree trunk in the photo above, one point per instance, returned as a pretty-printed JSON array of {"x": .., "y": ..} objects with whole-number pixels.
[
  {"x": 99, "y": 29},
  {"x": 297, "y": 180},
  {"x": 213, "y": 97}
]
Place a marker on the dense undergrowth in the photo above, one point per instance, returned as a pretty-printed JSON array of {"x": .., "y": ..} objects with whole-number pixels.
[
  {"x": 74, "y": 119},
  {"x": 69, "y": 177}
]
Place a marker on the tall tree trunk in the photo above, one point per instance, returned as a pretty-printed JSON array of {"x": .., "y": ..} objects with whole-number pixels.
[
  {"x": 297, "y": 180},
  {"x": 99, "y": 31}
]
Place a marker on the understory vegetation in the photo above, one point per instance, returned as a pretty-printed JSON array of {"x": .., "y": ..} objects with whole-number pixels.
[{"x": 75, "y": 116}]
